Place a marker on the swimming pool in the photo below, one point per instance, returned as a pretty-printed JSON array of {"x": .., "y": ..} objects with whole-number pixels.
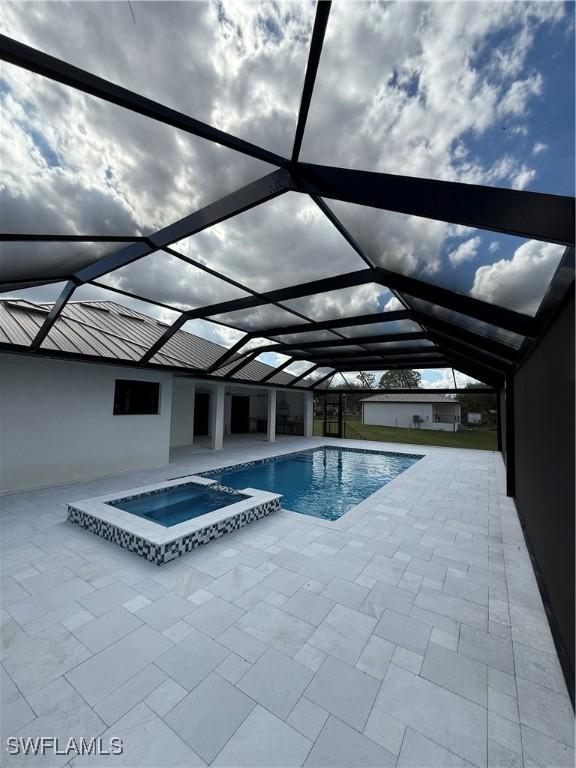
[
  {"x": 322, "y": 482},
  {"x": 174, "y": 505}
]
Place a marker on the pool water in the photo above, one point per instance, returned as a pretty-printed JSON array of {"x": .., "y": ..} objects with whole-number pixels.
[
  {"x": 323, "y": 482},
  {"x": 176, "y": 505}
]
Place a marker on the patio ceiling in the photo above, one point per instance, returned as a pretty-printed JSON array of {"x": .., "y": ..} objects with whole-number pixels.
[{"x": 422, "y": 319}]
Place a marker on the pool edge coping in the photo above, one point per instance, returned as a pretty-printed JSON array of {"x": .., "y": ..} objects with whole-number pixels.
[
  {"x": 159, "y": 543},
  {"x": 347, "y": 518}
]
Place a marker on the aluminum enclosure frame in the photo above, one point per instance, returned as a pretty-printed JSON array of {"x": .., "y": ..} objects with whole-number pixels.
[{"x": 532, "y": 215}]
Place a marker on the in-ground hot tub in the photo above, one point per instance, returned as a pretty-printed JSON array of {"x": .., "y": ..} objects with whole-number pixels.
[{"x": 164, "y": 521}]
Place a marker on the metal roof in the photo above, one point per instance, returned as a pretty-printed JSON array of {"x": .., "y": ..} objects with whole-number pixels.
[
  {"x": 409, "y": 397},
  {"x": 108, "y": 330}
]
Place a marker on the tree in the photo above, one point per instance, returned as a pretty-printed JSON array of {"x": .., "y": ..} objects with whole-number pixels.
[
  {"x": 484, "y": 404},
  {"x": 366, "y": 379},
  {"x": 400, "y": 379}
]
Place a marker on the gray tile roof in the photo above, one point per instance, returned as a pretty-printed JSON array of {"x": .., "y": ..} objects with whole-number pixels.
[{"x": 109, "y": 330}]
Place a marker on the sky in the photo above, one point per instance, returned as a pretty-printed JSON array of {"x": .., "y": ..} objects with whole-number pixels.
[{"x": 474, "y": 92}]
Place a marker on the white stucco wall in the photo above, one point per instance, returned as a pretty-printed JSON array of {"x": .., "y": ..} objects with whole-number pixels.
[
  {"x": 57, "y": 425},
  {"x": 182, "y": 415},
  {"x": 397, "y": 414},
  {"x": 308, "y": 414},
  {"x": 402, "y": 415}
]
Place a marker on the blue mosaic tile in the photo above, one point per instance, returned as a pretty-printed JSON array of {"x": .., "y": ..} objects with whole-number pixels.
[
  {"x": 163, "y": 553},
  {"x": 285, "y": 456}
]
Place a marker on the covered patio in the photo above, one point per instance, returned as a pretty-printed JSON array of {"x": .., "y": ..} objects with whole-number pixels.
[{"x": 213, "y": 414}]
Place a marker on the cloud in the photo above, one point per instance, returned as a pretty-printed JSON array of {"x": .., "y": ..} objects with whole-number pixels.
[
  {"x": 298, "y": 367},
  {"x": 425, "y": 84},
  {"x": 515, "y": 100},
  {"x": 428, "y": 85},
  {"x": 458, "y": 230},
  {"x": 539, "y": 147},
  {"x": 112, "y": 171},
  {"x": 120, "y": 173},
  {"x": 519, "y": 283},
  {"x": 272, "y": 358},
  {"x": 466, "y": 251},
  {"x": 393, "y": 304},
  {"x": 188, "y": 287},
  {"x": 405, "y": 244},
  {"x": 283, "y": 242},
  {"x": 359, "y": 300},
  {"x": 429, "y": 88},
  {"x": 522, "y": 177},
  {"x": 235, "y": 65},
  {"x": 441, "y": 378}
]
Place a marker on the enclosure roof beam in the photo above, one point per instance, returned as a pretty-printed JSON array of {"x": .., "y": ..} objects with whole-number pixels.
[
  {"x": 393, "y": 354},
  {"x": 561, "y": 285},
  {"x": 379, "y": 365},
  {"x": 458, "y": 302},
  {"x": 314, "y": 53},
  {"x": 299, "y": 291},
  {"x": 282, "y": 294},
  {"x": 471, "y": 367},
  {"x": 249, "y": 196},
  {"x": 253, "y": 194},
  {"x": 303, "y": 375},
  {"x": 477, "y": 371},
  {"x": 36, "y": 238},
  {"x": 469, "y": 338},
  {"x": 186, "y": 373},
  {"x": 341, "y": 322},
  {"x": 356, "y": 340},
  {"x": 60, "y": 71},
  {"x": 489, "y": 361},
  {"x": 419, "y": 391},
  {"x": 250, "y": 357},
  {"x": 53, "y": 315},
  {"x": 223, "y": 359},
  {"x": 335, "y": 221},
  {"x": 532, "y": 215},
  {"x": 316, "y": 384},
  {"x": 368, "y": 360},
  {"x": 276, "y": 370}
]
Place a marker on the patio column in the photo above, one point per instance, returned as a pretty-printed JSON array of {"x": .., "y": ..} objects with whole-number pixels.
[
  {"x": 308, "y": 414},
  {"x": 182, "y": 413},
  {"x": 191, "y": 408},
  {"x": 217, "y": 418},
  {"x": 271, "y": 436}
]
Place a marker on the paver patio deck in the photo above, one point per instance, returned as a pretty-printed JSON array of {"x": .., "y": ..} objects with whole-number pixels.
[{"x": 410, "y": 632}]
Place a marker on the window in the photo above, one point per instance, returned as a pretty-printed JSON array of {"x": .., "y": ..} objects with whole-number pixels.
[{"x": 133, "y": 397}]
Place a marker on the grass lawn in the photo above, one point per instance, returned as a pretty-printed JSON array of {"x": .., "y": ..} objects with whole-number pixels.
[{"x": 482, "y": 439}]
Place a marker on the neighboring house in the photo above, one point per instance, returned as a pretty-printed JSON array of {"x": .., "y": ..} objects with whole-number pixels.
[
  {"x": 412, "y": 411},
  {"x": 474, "y": 418}
]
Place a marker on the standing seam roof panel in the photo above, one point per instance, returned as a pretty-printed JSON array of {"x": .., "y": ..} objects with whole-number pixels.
[{"x": 118, "y": 333}]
